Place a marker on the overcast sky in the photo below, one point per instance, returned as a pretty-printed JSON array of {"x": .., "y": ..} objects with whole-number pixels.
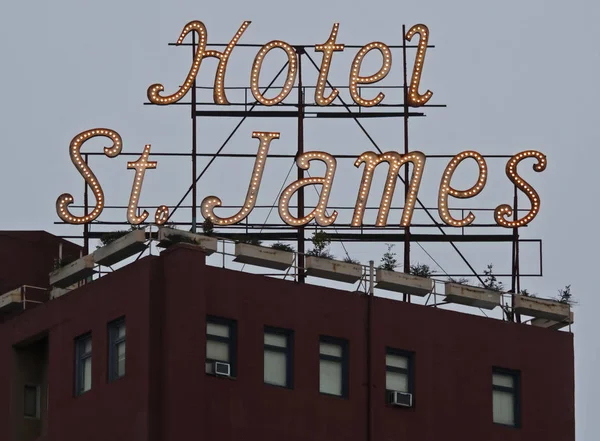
[{"x": 515, "y": 75}]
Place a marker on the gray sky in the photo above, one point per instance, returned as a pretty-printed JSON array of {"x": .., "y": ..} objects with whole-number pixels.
[{"x": 515, "y": 75}]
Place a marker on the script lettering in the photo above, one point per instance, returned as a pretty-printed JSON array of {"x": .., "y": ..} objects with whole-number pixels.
[
  {"x": 446, "y": 189},
  {"x": 140, "y": 167},
  {"x": 303, "y": 161},
  {"x": 209, "y": 203},
  {"x": 289, "y": 80},
  {"x": 395, "y": 161},
  {"x": 506, "y": 210},
  {"x": 356, "y": 79},
  {"x": 415, "y": 99},
  {"x": 327, "y": 48},
  {"x": 66, "y": 199}
]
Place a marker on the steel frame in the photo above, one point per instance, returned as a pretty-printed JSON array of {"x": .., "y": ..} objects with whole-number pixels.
[{"x": 300, "y": 112}]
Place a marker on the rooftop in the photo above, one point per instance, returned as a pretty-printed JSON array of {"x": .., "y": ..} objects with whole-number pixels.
[{"x": 278, "y": 263}]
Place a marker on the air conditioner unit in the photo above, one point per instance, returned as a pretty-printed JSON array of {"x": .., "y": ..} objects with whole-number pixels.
[
  {"x": 222, "y": 369},
  {"x": 403, "y": 399}
]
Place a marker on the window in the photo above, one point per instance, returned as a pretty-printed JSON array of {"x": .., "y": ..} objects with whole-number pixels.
[
  {"x": 399, "y": 372},
  {"x": 333, "y": 367},
  {"x": 117, "y": 334},
  {"x": 505, "y": 397},
  {"x": 31, "y": 401},
  {"x": 83, "y": 364},
  {"x": 220, "y": 343},
  {"x": 278, "y": 358}
]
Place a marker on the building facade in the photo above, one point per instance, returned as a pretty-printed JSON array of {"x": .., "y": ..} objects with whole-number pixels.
[{"x": 169, "y": 348}]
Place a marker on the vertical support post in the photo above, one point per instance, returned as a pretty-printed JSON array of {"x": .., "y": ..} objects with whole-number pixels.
[
  {"x": 406, "y": 297},
  {"x": 224, "y": 253},
  {"x": 193, "y": 115},
  {"x": 513, "y": 277},
  {"x": 301, "y": 276},
  {"x": 371, "y": 277},
  {"x": 86, "y": 227},
  {"x": 369, "y": 345},
  {"x": 515, "y": 272}
]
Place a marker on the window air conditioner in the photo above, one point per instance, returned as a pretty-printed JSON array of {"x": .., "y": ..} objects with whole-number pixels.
[
  {"x": 222, "y": 369},
  {"x": 403, "y": 399}
]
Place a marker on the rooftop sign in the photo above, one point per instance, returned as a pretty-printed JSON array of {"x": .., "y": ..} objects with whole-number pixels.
[{"x": 157, "y": 95}]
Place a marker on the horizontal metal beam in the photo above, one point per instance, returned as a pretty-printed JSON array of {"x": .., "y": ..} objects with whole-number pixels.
[
  {"x": 304, "y": 46},
  {"x": 364, "y": 237},
  {"x": 280, "y": 105},
  {"x": 294, "y": 114},
  {"x": 271, "y": 155},
  {"x": 377, "y": 237},
  {"x": 337, "y": 227}
]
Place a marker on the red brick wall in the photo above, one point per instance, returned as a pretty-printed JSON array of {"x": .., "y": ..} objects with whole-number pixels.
[
  {"x": 167, "y": 396},
  {"x": 115, "y": 411},
  {"x": 27, "y": 257}
]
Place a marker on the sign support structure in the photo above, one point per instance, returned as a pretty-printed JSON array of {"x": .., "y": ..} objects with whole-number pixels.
[
  {"x": 412, "y": 105},
  {"x": 300, "y": 242},
  {"x": 406, "y": 297}
]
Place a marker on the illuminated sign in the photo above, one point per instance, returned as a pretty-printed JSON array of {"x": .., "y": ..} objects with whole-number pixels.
[{"x": 370, "y": 160}]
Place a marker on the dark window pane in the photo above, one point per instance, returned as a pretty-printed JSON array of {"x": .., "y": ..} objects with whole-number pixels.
[
  {"x": 117, "y": 334},
  {"x": 333, "y": 366},
  {"x": 505, "y": 397},
  {"x": 31, "y": 399},
  {"x": 330, "y": 377},
  {"x": 220, "y": 343},
  {"x": 121, "y": 359},
  {"x": 83, "y": 368}
]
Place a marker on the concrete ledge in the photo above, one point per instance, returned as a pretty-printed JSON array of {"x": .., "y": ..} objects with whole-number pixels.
[
  {"x": 551, "y": 324},
  {"x": 333, "y": 269},
  {"x": 167, "y": 237},
  {"x": 404, "y": 283},
  {"x": 471, "y": 296},
  {"x": 11, "y": 301},
  {"x": 59, "y": 292},
  {"x": 120, "y": 249},
  {"x": 541, "y": 308},
  {"x": 263, "y": 256},
  {"x": 73, "y": 272}
]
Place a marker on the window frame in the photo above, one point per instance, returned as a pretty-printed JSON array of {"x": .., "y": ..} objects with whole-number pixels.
[
  {"x": 409, "y": 372},
  {"x": 343, "y": 360},
  {"x": 113, "y": 342},
  {"x": 231, "y": 341},
  {"x": 515, "y": 391},
  {"x": 80, "y": 357},
  {"x": 288, "y": 351}
]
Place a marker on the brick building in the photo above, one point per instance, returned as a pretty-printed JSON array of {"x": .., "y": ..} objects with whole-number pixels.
[{"x": 132, "y": 355}]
